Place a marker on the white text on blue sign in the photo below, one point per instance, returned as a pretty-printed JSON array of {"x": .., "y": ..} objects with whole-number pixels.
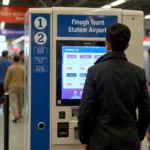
[{"x": 89, "y": 23}]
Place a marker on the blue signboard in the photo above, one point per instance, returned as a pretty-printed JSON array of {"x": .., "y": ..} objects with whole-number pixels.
[
  {"x": 12, "y": 33},
  {"x": 84, "y": 25},
  {"x": 40, "y": 81}
]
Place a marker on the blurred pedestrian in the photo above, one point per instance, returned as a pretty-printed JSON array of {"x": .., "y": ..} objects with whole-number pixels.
[
  {"x": 14, "y": 83},
  {"x": 5, "y": 62},
  {"x": 21, "y": 57}
]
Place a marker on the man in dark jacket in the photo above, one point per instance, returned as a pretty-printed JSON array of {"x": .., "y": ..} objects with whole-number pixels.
[{"x": 113, "y": 90}]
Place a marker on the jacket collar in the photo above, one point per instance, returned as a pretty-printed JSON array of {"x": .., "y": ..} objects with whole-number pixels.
[{"x": 112, "y": 55}]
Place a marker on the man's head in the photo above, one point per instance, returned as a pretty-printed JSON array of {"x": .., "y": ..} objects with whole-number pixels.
[
  {"x": 117, "y": 37},
  {"x": 5, "y": 54},
  {"x": 21, "y": 56},
  {"x": 16, "y": 59}
]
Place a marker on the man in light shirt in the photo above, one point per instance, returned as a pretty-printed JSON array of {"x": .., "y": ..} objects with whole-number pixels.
[{"x": 14, "y": 83}]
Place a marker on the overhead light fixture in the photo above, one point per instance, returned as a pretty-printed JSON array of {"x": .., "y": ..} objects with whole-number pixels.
[
  {"x": 106, "y": 6},
  {"x": 2, "y": 25},
  {"x": 6, "y": 2},
  {"x": 115, "y": 3},
  {"x": 147, "y": 17},
  {"x": 20, "y": 39},
  {"x": 118, "y": 2}
]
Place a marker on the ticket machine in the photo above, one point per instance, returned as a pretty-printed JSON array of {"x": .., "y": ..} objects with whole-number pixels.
[{"x": 63, "y": 44}]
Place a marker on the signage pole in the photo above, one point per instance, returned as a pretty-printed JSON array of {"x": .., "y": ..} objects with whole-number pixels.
[{"x": 6, "y": 122}]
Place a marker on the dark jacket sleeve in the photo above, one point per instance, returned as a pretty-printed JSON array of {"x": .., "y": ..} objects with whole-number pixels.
[
  {"x": 86, "y": 108},
  {"x": 144, "y": 109},
  {"x": 149, "y": 81}
]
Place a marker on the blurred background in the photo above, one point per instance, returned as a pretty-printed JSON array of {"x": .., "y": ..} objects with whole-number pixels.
[
  {"x": 12, "y": 34},
  {"x": 12, "y": 19}
]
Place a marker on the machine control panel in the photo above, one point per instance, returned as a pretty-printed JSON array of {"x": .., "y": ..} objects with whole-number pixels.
[{"x": 62, "y": 115}]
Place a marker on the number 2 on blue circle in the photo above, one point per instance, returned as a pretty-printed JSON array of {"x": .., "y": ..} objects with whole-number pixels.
[{"x": 41, "y": 36}]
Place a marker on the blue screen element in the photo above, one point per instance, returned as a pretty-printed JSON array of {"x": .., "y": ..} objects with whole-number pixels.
[
  {"x": 75, "y": 62},
  {"x": 84, "y": 49},
  {"x": 84, "y": 25}
]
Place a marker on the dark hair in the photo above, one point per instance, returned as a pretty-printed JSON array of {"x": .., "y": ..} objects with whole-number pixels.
[
  {"x": 16, "y": 58},
  {"x": 118, "y": 35},
  {"x": 21, "y": 52},
  {"x": 4, "y": 53},
  {"x": 149, "y": 51}
]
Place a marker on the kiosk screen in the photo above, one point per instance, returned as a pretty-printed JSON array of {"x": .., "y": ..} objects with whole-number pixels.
[{"x": 75, "y": 61}]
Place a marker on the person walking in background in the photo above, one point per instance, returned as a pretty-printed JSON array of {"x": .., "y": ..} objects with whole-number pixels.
[
  {"x": 21, "y": 57},
  {"x": 5, "y": 62},
  {"x": 14, "y": 84}
]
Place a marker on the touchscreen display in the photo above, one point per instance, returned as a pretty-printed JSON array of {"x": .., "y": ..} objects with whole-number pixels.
[{"x": 75, "y": 63}]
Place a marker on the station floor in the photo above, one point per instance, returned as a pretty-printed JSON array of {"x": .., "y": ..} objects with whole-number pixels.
[{"x": 17, "y": 135}]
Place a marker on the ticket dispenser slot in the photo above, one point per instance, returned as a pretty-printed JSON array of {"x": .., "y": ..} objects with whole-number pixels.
[{"x": 63, "y": 130}]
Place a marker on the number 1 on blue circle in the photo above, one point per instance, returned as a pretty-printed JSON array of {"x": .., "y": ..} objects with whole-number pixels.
[{"x": 40, "y": 23}]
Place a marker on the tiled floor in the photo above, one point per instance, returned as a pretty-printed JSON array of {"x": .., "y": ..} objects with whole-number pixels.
[{"x": 17, "y": 135}]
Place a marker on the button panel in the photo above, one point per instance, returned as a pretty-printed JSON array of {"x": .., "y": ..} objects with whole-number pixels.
[{"x": 62, "y": 115}]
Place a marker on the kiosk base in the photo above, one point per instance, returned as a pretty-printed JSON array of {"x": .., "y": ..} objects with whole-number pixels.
[{"x": 67, "y": 147}]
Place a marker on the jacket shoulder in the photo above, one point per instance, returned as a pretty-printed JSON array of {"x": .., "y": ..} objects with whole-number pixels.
[
  {"x": 103, "y": 66},
  {"x": 138, "y": 68},
  {"x": 22, "y": 67},
  {"x": 10, "y": 67},
  {"x": 96, "y": 66}
]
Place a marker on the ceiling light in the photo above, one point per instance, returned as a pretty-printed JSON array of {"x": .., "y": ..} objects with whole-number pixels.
[
  {"x": 2, "y": 25},
  {"x": 147, "y": 17},
  {"x": 118, "y": 2},
  {"x": 6, "y": 2},
  {"x": 106, "y": 6},
  {"x": 20, "y": 39}
]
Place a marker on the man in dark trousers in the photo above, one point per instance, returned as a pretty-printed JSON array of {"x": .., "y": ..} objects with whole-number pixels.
[{"x": 113, "y": 90}]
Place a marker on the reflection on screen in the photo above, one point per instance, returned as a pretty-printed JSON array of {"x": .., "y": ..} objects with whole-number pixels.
[{"x": 75, "y": 62}]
